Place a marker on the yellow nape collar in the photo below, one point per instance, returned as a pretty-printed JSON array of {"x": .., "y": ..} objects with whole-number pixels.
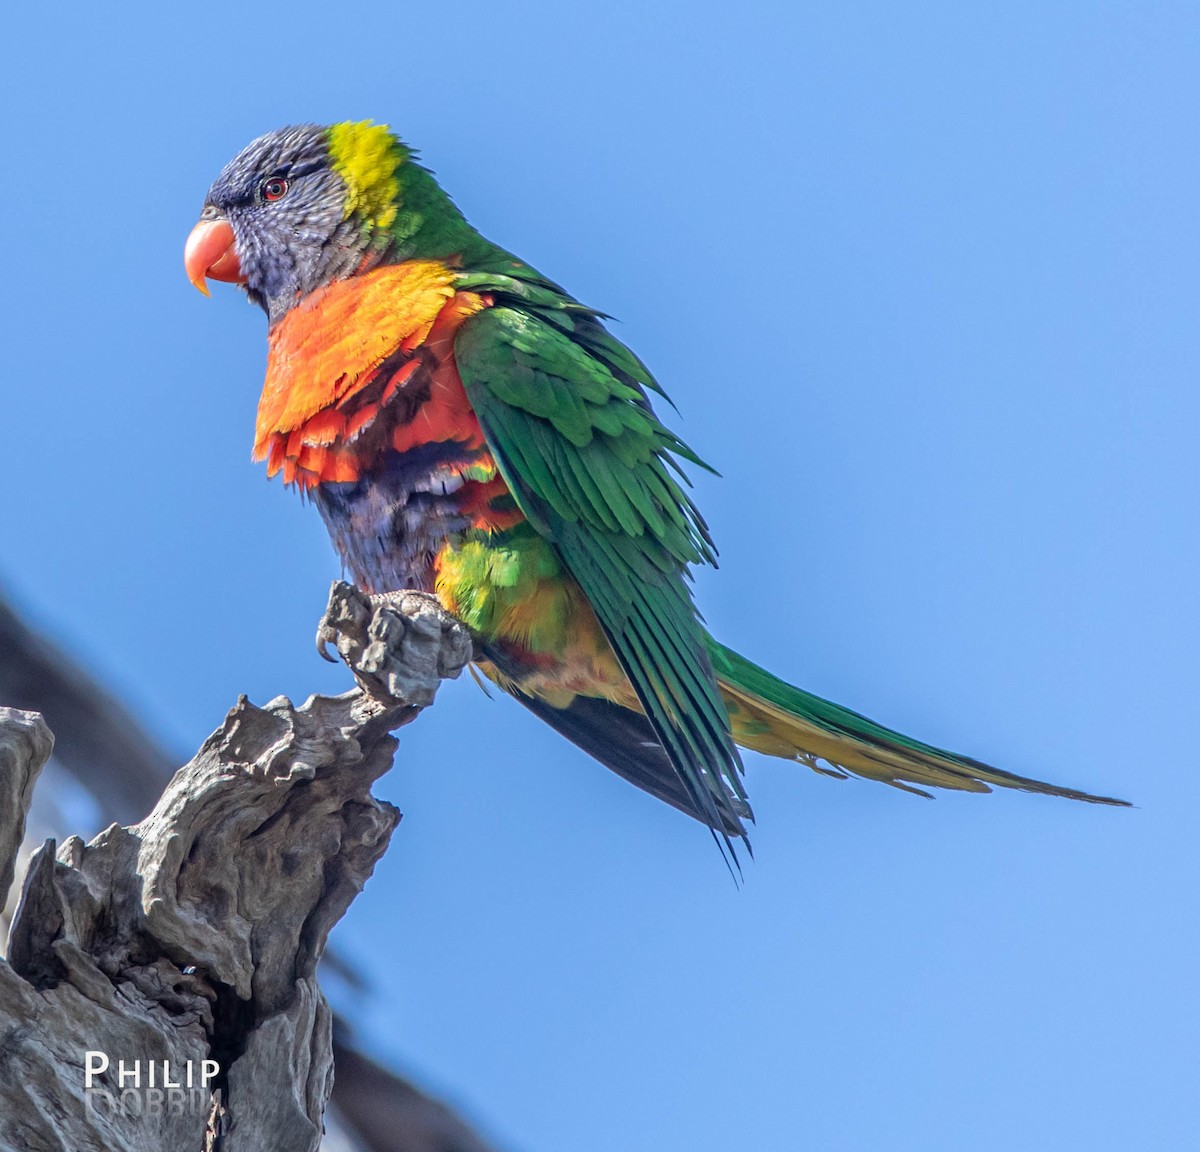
[{"x": 367, "y": 156}]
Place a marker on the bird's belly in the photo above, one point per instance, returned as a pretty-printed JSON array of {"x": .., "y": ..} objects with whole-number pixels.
[
  {"x": 440, "y": 519},
  {"x": 389, "y": 526}
]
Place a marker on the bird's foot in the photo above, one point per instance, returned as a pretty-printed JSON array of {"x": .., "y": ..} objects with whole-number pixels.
[{"x": 399, "y": 645}]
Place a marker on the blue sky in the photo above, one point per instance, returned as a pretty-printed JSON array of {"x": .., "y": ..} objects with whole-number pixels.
[{"x": 922, "y": 281}]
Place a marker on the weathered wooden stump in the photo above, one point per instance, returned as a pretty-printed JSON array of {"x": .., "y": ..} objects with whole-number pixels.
[{"x": 186, "y": 946}]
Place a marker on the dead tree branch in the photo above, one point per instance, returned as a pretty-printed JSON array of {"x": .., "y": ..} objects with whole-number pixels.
[{"x": 188, "y": 943}]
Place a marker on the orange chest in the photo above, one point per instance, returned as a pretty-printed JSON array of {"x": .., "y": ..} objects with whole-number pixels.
[{"x": 363, "y": 368}]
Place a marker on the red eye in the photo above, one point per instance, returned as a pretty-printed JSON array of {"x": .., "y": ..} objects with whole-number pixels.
[{"x": 275, "y": 188}]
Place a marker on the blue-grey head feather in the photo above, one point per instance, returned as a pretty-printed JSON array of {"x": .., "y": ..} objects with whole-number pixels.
[{"x": 289, "y": 246}]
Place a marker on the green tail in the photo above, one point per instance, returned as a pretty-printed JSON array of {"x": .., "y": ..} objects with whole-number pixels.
[{"x": 773, "y": 717}]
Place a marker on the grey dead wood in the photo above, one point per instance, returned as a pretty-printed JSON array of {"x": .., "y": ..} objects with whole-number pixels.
[{"x": 196, "y": 933}]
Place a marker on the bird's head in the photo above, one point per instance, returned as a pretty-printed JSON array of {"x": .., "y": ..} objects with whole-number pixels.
[{"x": 299, "y": 208}]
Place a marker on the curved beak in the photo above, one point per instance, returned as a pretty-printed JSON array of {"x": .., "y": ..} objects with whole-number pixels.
[{"x": 209, "y": 255}]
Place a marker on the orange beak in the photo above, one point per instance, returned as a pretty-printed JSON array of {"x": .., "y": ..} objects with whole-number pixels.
[{"x": 209, "y": 255}]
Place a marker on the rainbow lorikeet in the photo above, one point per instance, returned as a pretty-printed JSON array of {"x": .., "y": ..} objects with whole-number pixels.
[{"x": 468, "y": 429}]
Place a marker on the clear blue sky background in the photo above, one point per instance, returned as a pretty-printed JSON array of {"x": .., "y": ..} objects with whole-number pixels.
[{"x": 922, "y": 280}]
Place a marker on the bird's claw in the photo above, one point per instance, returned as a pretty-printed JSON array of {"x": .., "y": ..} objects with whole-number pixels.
[
  {"x": 346, "y": 616},
  {"x": 399, "y": 645}
]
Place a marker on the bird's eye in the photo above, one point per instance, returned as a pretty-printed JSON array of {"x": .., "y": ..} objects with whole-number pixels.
[{"x": 275, "y": 188}]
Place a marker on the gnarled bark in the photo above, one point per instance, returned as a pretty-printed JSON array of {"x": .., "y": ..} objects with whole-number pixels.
[{"x": 195, "y": 934}]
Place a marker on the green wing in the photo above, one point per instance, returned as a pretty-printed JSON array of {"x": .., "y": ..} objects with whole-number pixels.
[{"x": 563, "y": 407}]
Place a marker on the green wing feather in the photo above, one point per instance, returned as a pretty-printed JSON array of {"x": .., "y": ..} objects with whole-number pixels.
[{"x": 563, "y": 406}]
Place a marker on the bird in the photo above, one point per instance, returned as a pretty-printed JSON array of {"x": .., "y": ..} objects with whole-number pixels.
[{"x": 469, "y": 430}]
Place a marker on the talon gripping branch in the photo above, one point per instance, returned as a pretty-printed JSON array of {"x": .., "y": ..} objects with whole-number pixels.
[{"x": 467, "y": 428}]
